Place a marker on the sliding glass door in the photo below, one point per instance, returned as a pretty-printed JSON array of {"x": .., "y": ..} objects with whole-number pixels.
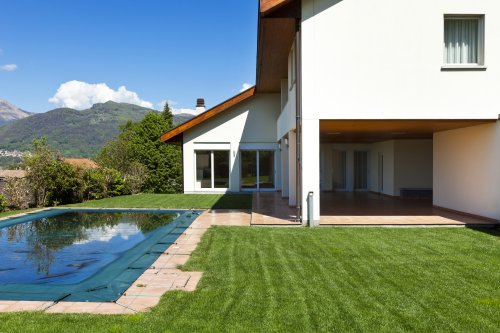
[
  {"x": 339, "y": 170},
  {"x": 360, "y": 170},
  {"x": 248, "y": 170},
  {"x": 257, "y": 170},
  {"x": 212, "y": 169}
]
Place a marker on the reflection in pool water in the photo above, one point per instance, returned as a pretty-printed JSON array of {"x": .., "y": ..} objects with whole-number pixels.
[{"x": 72, "y": 246}]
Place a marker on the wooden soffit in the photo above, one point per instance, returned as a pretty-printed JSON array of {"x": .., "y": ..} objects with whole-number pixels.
[
  {"x": 280, "y": 8},
  {"x": 368, "y": 131},
  {"x": 275, "y": 40},
  {"x": 268, "y": 6},
  {"x": 175, "y": 135}
]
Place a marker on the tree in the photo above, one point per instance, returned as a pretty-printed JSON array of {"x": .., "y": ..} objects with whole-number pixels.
[
  {"x": 139, "y": 143},
  {"x": 134, "y": 178},
  {"x": 37, "y": 164},
  {"x": 51, "y": 180},
  {"x": 117, "y": 153},
  {"x": 168, "y": 115},
  {"x": 64, "y": 184}
]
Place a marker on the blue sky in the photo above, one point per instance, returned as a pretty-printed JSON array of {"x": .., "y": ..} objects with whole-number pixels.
[{"x": 158, "y": 49}]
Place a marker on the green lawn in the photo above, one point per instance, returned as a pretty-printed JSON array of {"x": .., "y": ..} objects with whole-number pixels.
[
  {"x": 175, "y": 201},
  {"x": 180, "y": 201},
  {"x": 14, "y": 212},
  {"x": 326, "y": 279}
]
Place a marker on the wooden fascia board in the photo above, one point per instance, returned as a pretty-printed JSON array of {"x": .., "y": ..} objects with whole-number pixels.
[
  {"x": 177, "y": 131},
  {"x": 268, "y": 6}
]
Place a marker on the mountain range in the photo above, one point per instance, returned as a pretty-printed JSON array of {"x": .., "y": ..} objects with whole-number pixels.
[
  {"x": 72, "y": 132},
  {"x": 10, "y": 112}
]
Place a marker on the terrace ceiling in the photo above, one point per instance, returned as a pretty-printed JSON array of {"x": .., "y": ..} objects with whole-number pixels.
[{"x": 368, "y": 131}]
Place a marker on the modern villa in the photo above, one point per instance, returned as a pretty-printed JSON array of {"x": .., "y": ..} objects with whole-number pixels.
[{"x": 356, "y": 97}]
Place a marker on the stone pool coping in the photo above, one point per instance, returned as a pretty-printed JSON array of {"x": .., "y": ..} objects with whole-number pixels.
[{"x": 163, "y": 276}]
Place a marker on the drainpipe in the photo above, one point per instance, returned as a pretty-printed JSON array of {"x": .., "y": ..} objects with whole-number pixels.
[{"x": 298, "y": 119}]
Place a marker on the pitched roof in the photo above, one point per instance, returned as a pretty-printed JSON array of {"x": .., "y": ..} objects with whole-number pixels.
[
  {"x": 175, "y": 134},
  {"x": 81, "y": 162},
  {"x": 12, "y": 173}
]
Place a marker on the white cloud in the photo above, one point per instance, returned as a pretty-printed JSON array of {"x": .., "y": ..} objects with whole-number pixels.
[
  {"x": 184, "y": 110},
  {"x": 159, "y": 106},
  {"x": 8, "y": 68},
  {"x": 106, "y": 233},
  {"x": 245, "y": 86},
  {"x": 82, "y": 95}
]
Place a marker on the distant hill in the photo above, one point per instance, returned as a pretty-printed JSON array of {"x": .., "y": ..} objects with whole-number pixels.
[
  {"x": 74, "y": 133},
  {"x": 10, "y": 112}
]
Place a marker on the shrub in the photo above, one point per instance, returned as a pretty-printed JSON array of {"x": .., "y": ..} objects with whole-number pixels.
[
  {"x": 3, "y": 203},
  {"x": 103, "y": 183},
  {"x": 18, "y": 193}
]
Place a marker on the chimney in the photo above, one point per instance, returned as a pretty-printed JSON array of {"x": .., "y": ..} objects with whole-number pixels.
[{"x": 200, "y": 105}]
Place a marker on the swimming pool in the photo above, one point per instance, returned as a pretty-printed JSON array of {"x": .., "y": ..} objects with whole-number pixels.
[{"x": 83, "y": 255}]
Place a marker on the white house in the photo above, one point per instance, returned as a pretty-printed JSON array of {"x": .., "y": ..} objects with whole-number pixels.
[{"x": 387, "y": 96}]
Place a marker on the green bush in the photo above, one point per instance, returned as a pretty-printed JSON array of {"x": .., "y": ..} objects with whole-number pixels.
[
  {"x": 3, "y": 203},
  {"x": 103, "y": 183}
]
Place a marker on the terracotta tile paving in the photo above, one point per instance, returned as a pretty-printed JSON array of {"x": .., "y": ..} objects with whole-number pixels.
[
  {"x": 161, "y": 277},
  {"x": 269, "y": 208},
  {"x": 362, "y": 208},
  {"x": 14, "y": 306}
]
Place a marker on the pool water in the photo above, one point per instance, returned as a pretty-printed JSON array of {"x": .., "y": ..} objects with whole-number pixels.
[{"x": 69, "y": 247}]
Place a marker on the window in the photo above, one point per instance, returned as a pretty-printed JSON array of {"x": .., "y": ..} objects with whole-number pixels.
[
  {"x": 212, "y": 169},
  {"x": 464, "y": 40}
]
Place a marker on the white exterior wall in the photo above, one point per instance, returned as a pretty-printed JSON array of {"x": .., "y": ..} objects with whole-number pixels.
[
  {"x": 365, "y": 59},
  {"x": 249, "y": 125},
  {"x": 467, "y": 170},
  {"x": 292, "y": 169},
  {"x": 310, "y": 166},
  {"x": 286, "y": 120},
  {"x": 284, "y": 170},
  {"x": 413, "y": 164}
]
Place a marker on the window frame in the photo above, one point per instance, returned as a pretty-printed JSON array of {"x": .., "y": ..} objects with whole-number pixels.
[
  {"x": 212, "y": 169},
  {"x": 258, "y": 150},
  {"x": 481, "y": 63}
]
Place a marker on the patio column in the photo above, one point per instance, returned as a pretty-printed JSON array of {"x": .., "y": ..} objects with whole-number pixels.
[
  {"x": 292, "y": 169},
  {"x": 310, "y": 167},
  {"x": 284, "y": 169}
]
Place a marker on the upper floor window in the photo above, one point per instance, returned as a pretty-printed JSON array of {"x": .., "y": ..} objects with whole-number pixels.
[{"x": 464, "y": 39}]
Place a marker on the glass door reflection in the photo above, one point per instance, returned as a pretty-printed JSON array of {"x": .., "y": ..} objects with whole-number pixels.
[{"x": 257, "y": 170}]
